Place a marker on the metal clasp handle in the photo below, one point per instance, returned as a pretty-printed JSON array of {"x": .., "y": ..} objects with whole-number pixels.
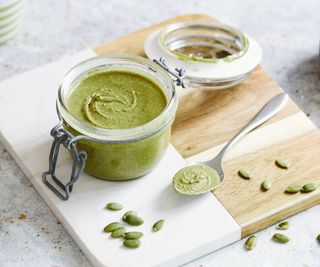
[
  {"x": 179, "y": 74},
  {"x": 65, "y": 138}
]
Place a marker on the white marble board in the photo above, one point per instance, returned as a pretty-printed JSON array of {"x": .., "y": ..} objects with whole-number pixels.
[{"x": 194, "y": 226}]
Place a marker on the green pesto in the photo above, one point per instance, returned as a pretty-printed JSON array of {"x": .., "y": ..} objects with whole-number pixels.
[
  {"x": 116, "y": 100},
  {"x": 119, "y": 100},
  {"x": 195, "y": 179}
]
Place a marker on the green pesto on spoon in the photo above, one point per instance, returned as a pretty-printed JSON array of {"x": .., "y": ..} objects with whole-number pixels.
[{"x": 205, "y": 176}]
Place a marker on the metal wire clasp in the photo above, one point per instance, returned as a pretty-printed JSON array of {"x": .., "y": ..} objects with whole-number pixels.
[
  {"x": 179, "y": 74},
  {"x": 62, "y": 137}
]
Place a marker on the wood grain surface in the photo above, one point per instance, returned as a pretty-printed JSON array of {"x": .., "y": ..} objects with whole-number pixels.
[{"x": 206, "y": 119}]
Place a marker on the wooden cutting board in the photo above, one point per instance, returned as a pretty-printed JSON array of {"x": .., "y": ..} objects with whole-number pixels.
[{"x": 207, "y": 119}]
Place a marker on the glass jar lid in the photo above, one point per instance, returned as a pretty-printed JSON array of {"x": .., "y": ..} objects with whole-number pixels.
[{"x": 215, "y": 56}]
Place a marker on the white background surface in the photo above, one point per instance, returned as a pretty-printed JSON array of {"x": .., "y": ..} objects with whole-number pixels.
[{"x": 288, "y": 32}]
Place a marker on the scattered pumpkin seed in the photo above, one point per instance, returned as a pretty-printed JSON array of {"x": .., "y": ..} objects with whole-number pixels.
[
  {"x": 132, "y": 243},
  {"x": 112, "y": 226},
  {"x": 134, "y": 220},
  {"x": 309, "y": 188},
  {"x": 157, "y": 226},
  {"x": 280, "y": 238},
  {"x": 283, "y": 226},
  {"x": 118, "y": 232},
  {"x": 292, "y": 189},
  {"x": 130, "y": 212},
  {"x": 251, "y": 242},
  {"x": 245, "y": 174},
  {"x": 132, "y": 235},
  {"x": 114, "y": 206},
  {"x": 266, "y": 185},
  {"x": 318, "y": 238},
  {"x": 282, "y": 163}
]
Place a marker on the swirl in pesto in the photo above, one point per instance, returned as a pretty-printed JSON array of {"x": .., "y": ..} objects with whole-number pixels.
[{"x": 115, "y": 99}]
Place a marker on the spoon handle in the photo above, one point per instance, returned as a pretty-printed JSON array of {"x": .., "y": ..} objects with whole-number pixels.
[{"x": 268, "y": 111}]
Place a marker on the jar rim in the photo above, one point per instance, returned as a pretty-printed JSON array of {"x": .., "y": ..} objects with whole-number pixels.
[
  {"x": 127, "y": 134},
  {"x": 237, "y": 34}
]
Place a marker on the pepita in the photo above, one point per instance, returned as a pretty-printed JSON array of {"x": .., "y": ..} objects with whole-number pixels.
[
  {"x": 118, "y": 232},
  {"x": 283, "y": 226},
  {"x": 309, "y": 187},
  {"x": 132, "y": 235},
  {"x": 282, "y": 163},
  {"x": 280, "y": 238},
  {"x": 134, "y": 220},
  {"x": 292, "y": 189},
  {"x": 157, "y": 226},
  {"x": 245, "y": 174},
  {"x": 114, "y": 206},
  {"x": 112, "y": 226},
  {"x": 266, "y": 185},
  {"x": 130, "y": 212},
  {"x": 251, "y": 242},
  {"x": 132, "y": 243}
]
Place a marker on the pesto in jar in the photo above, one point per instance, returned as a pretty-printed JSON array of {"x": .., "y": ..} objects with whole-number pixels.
[
  {"x": 116, "y": 100},
  {"x": 119, "y": 99}
]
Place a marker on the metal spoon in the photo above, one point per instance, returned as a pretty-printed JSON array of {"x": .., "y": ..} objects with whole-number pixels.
[{"x": 267, "y": 111}]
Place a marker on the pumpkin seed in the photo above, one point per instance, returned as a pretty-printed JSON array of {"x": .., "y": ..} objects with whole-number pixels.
[
  {"x": 280, "y": 238},
  {"x": 112, "y": 226},
  {"x": 132, "y": 235},
  {"x": 309, "y": 188},
  {"x": 266, "y": 185},
  {"x": 118, "y": 232},
  {"x": 251, "y": 242},
  {"x": 130, "y": 212},
  {"x": 134, "y": 220},
  {"x": 157, "y": 226},
  {"x": 245, "y": 174},
  {"x": 114, "y": 206},
  {"x": 283, "y": 226},
  {"x": 292, "y": 189},
  {"x": 282, "y": 163},
  {"x": 132, "y": 243},
  {"x": 318, "y": 238}
]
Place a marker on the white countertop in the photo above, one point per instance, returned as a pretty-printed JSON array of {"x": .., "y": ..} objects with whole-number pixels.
[{"x": 288, "y": 32}]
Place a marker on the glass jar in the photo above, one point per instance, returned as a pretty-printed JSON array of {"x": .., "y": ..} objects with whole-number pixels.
[{"x": 119, "y": 154}]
